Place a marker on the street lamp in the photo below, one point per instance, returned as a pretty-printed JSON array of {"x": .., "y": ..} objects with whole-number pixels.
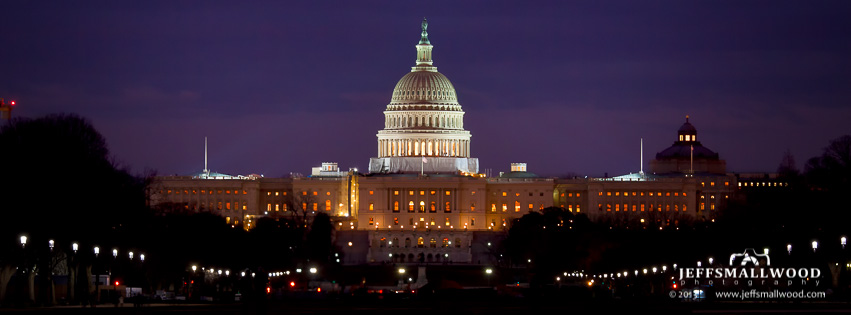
[
  {"x": 815, "y": 246},
  {"x": 50, "y": 243},
  {"x": 23, "y": 241},
  {"x": 789, "y": 249},
  {"x": 75, "y": 247},
  {"x": 312, "y": 269},
  {"x": 131, "y": 255},
  {"x": 765, "y": 250},
  {"x": 142, "y": 257},
  {"x": 401, "y": 271},
  {"x": 710, "y": 260},
  {"x": 842, "y": 241},
  {"x": 698, "y": 263},
  {"x": 97, "y": 251},
  {"x": 194, "y": 268},
  {"x": 114, "y": 253}
]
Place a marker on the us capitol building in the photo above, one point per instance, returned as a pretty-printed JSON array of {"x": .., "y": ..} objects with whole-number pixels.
[{"x": 423, "y": 199}]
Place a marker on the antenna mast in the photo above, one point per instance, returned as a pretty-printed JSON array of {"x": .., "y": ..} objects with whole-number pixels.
[{"x": 206, "y": 171}]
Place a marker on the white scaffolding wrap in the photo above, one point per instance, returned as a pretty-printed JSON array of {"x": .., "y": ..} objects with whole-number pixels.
[{"x": 415, "y": 165}]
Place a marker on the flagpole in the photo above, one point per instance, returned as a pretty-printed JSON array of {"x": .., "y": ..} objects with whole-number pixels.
[{"x": 422, "y": 165}]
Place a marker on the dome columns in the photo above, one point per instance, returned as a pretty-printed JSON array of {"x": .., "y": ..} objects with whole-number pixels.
[{"x": 424, "y": 147}]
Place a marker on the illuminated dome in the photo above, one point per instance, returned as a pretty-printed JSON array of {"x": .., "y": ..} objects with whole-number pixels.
[
  {"x": 424, "y": 87},
  {"x": 424, "y": 123}
]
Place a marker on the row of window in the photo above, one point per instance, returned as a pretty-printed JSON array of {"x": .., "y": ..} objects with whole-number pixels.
[
  {"x": 422, "y": 207},
  {"x": 431, "y": 222},
  {"x": 571, "y": 194},
  {"x": 421, "y": 242},
  {"x": 203, "y": 192},
  {"x": 641, "y": 207},
  {"x": 639, "y": 193},
  {"x": 505, "y": 194},
  {"x": 422, "y": 192}
]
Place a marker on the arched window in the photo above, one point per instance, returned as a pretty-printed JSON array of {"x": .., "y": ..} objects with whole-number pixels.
[
  {"x": 432, "y": 243},
  {"x": 395, "y": 242},
  {"x": 395, "y": 206},
  {"x": 445, "y": 242},
  {"x": 422, "y": 206},
  {"x": 411, "y": 206},
  {"x": 447, "y": 208},
  {"x": 420, "y": 242},
  {"x": 432, "y": 208}
]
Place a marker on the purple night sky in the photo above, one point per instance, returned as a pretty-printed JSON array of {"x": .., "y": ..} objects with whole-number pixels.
[{"x": 566, "y": 86}]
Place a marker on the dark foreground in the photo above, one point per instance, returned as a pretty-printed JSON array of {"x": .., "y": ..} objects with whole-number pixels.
[{"x": 435, "y": 307}]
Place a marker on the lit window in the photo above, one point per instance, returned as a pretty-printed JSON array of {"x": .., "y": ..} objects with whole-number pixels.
[
  {"x": 411, "y": 206},
  {"x": 473, "y": 193},
  {"x": 285, "y": 207},
  {"x": 518, "y": 194},
  {"x": 277, "y": 207},
  {"x": 268, "y": 207},
  {"x": 410, "y": 193},
  {"x": 504, "y": 207},
  {"x": 327, "y": 205},
  {"x": 371, "y": 206},
  {"x": 371, "y": 221},
  {"x": 328, "y": 193},
  {"x": 447, "y": 222},
  {"x": 448, "y": 193},
  {"x": 532, "y": 207},
  {"x": 617, "y": 193},
  {"x": 304, "y": 193},
  {"x": 433, "y": 207},
  {"x": 395, "y": 192},
  {"x": 304, "y": 206},
  {"x": 422, "y": 192},
  {"x": 493, "y": 207},
  {"x": 562, "y": 194},
  {"x": 395, "y": 221},
  {"x": 315, "y": 206},
  {"x": 601, "y": 193},
  {"x": 516, "y": 206},
  {"x": 577, "y": 194},
  {"x": 608, "y": 193},
  {"x": 226, "y": 192},
  {"x": 447, "y": 208},
  {"x": 712, "y": 184},
  {"x": 473, "y": 207},
  {"x": 276, "y": 193},
  {"x": 371, "y": 192},
  {"x": 268, "y": 193},
  {"x": 472, "y": 221},
  {"x": 577, "y": 208},
  {"x": 504, "y": 194},
  {"x": 422, "y": 206},
  {"x": 667, "y": 194},
  {"x": 395, "y": 206},
  {"x": 316, "y": 193}
]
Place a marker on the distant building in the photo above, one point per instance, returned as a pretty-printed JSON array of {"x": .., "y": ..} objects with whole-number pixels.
[{"x": 423, "y": 200}]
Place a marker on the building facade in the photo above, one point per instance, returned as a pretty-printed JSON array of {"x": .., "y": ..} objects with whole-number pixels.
[{"x": 423, "y": 199}]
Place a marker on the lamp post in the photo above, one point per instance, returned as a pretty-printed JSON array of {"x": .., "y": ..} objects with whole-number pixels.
[
  {"x": 842, "y": 241},
  {"x": 815, "y": 246},
  {"x": 97, "y": 276},
  {"x": 488, "y": 273},
  {"x": 50, "y": 243},
  {"x": 23, "y": 241},
  {"x": 789, "y": 249}
]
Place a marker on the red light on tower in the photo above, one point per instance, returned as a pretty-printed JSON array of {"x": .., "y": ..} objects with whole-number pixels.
[
  {"x": 116, "y": 283},
  {"x": 13, "y": 103},
  {"x": 292, "y": 284}
]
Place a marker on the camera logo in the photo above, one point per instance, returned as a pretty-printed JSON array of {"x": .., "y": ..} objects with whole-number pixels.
[{"x": 750, "y": 256}]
